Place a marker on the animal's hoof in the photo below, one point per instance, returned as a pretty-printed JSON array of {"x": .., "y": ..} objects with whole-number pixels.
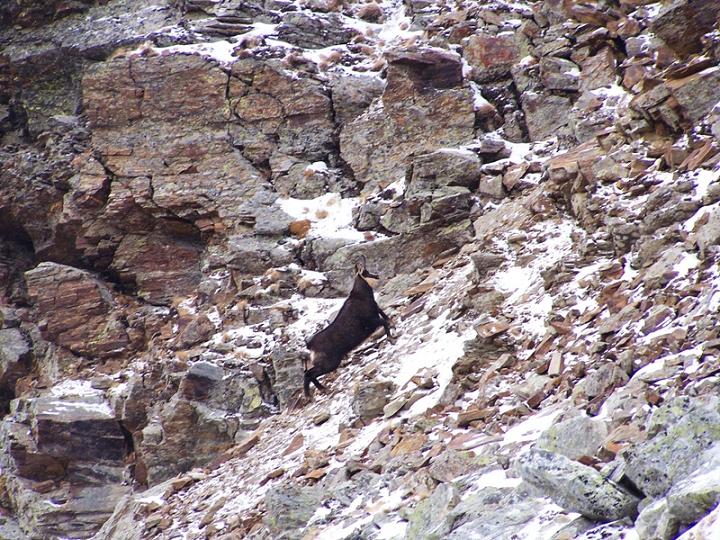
[{"x": 299, "y": 402}]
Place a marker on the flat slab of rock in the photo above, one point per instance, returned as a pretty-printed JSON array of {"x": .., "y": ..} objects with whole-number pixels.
[{"x": 77, "y": 427}]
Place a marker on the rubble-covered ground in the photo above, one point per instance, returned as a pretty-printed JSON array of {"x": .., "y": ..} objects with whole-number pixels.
[{"x": 186, "y": 186}]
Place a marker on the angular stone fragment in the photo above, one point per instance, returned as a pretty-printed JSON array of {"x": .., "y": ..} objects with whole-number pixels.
[
  {"x": 575, "y": 487},
  {"x": 369, "y": 398},
  {"x": 289, "y": 508},
  {"x": 493, "y": 512},
  {"x": 545, "y": 115},
  {"x": 682, "y": 23},
  {"x": 708, "y": 233},
  {"x": 598, "y": 70},
  {"x": 693, "y": 497},
  {"x": 450, "y": 464},
  {"x": 443, "y": 167},
  {"x": 15, "y": 358},
  {"x": 698, "y": 93},
  {"x": 430, "y": 517},
  {"x": 559, "y": 74},
  {"x": 69, "y": 440},
  {"x": 352, "y": 94},
  {"x": 79, "y": 311},
  {"x": 656, "y": 523},
  {"x": 70, "y": 428},
  {"x": 184, "y": 435},
  {"x": 491, "y": 57},
  {"x": 200, "y": 378}
]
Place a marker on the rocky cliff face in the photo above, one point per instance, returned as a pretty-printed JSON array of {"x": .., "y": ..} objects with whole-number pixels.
[{"x": 185, "y": 186}]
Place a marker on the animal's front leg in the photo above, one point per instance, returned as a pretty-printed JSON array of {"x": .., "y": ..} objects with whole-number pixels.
[
  {"x": 386, "y": 323},
  {"x": 310, "y": 376}
]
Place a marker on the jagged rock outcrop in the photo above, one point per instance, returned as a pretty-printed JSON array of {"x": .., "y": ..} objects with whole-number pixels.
[
  {"x": 186, "y": 186},
  {"x": 442, "y": 115},
  {"x": 65, "y": 461}
]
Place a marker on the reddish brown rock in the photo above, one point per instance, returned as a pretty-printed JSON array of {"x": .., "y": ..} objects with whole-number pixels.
[
  {"x": 78, "y": 310},
  {"x": 279, "y": 114},
  {"x": 598, "y": 70},
  {"x": 491, "y": 56},
  {"x": 158, "y": 266},
  {"x": 682, "y": 23},
  {"x": 161, "y": 120}
]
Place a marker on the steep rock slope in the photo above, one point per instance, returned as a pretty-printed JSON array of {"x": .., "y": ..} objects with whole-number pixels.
[{"x": 186, "y": 185}]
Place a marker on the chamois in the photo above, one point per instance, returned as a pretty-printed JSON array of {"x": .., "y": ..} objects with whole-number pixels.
[{"x": 357, "y": 319}]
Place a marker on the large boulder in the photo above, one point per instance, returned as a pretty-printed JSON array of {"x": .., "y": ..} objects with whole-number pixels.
[
  {"x": 682, "y": 23},
  {"x": 576, "y": 487},
  {"x": 78, "y": 310},
  {"x": 679, "y": 432},
  {"x": 574, "y": 437},
  {"x": 69, "y": 441},
  {"x": 205, "y": 417}
]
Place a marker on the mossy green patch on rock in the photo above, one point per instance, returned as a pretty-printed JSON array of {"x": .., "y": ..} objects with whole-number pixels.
[
  {"x": 431, "y": 519},
  {"x": 682, "y": 430}
]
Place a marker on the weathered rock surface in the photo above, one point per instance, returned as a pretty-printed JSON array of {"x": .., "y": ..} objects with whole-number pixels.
[
  {"x": 442, "y": 115},
  {"x": 430, "y": 518},
  {"x": 78, "y": 309},
  {"x": 186, "y": 186},
  {"x": 574, "y": 437},
  {"x": 679, "y": 433},
  {"x": 576, "y": 487},
  {"x": 682, "y": 23},
  {"x": 15, "y": 361},
  {"x": 70, "y": 442},
  {"x": 289, "y": 510}
]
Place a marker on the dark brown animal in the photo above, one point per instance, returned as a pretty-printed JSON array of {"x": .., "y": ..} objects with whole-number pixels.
[{"x": 357, "y": 319}]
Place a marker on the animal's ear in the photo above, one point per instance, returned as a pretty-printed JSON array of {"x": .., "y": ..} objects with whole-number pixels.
[{"x": 361, "y": 264}]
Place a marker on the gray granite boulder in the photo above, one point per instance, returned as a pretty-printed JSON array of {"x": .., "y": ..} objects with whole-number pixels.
[
  {"x": 679, "y": 432},
  {"x": 575, "y": 487}
]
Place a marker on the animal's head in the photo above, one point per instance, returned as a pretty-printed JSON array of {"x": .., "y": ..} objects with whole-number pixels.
[{"x": 362, "y": 271}]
